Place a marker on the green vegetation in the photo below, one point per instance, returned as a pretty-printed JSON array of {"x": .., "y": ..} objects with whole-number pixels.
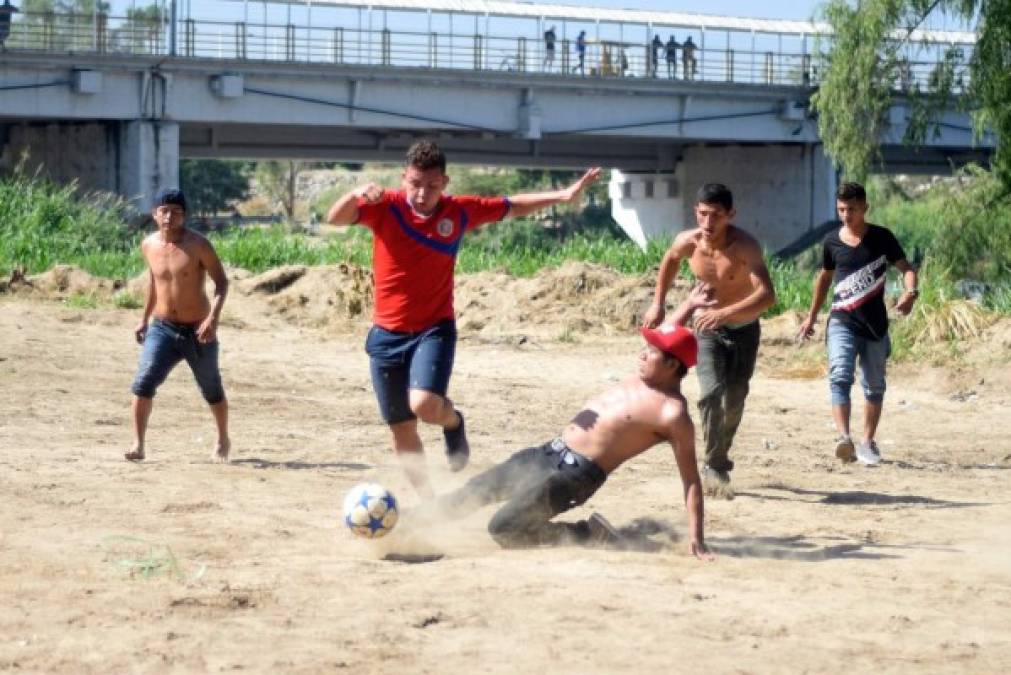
[
  {"x": 947, "y": 230},
  {"x": 863, "y": 60},
  {"x": 42, "y": 224}
]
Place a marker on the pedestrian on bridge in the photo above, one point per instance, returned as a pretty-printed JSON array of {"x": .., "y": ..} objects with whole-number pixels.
[
  {"x": 655, "y": 48},
  {"x": 672, "y": 57},
  {"x": 581, "y": 52},
  {"x": 688, "y": 58},
  {"x": 417, "y": 231},
  {"x": 549, "y": 49}
]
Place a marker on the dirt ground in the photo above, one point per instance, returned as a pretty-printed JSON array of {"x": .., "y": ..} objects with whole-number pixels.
[{"x": 183, "y": 565}]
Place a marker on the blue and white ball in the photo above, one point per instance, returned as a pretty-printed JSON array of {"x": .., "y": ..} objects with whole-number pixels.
[{"x": 370, "y": 510}]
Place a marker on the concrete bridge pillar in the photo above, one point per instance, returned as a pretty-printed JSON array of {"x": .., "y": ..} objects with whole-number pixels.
[
  {"x": 780, "y": 191},
  {"x": 134, "y": 159}
]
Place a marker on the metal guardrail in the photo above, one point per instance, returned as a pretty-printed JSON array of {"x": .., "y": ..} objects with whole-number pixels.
[{"x": 204, "y": 39}]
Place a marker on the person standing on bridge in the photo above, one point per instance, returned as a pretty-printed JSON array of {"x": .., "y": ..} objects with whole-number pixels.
[
  {"x": 672, "y": 58},
  {"x": 728, "y": 262},
  {"x": 688, "y": 57},
  {"x": 857, "y": 256},
  {"x": 417, "y": 232},
  {"x": 655, "y": 48},
  {"x": 581, "y": 52},
  {"x": 549, "y": 49}
]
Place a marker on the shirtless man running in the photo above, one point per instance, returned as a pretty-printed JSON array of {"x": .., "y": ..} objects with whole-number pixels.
[
  {"x": 729, "y": 262},
  {"x": 185, "y": 323},
  {"x": 542, "y": 481}
]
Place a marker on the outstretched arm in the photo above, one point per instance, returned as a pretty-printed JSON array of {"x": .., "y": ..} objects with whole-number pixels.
[
  {"x": 669, "y": 266},
  {"x": 701, "y": 296},
  {"x": 525, "y": 204},
  {"x": 750, "y": 307},
  {"x": 345, "y": 210},
  {"x": 682, "y": 438}
]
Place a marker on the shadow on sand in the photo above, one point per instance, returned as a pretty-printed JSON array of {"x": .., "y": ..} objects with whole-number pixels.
[
  {"x": 797, "y": 547},
  {"x": 858, "y": 498},
  {"x": 258, "y": 463}
]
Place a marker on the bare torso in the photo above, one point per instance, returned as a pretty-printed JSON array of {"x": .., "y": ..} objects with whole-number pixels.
[
  {"x": 623, "y": 422},
  {"x": 726, "y": 269},
  {"x": 178, "y": 276}
]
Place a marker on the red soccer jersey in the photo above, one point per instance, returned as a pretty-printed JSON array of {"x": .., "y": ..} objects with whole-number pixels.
[{"x": 413, "y": 257}]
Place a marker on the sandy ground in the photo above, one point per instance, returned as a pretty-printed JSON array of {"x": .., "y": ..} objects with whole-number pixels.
[{"x": 183, "y": 565}]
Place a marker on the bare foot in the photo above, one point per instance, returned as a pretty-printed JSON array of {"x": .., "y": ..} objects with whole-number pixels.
[
  {"x": 222, "y": 449},
  {"x": 135, "y": 455}
]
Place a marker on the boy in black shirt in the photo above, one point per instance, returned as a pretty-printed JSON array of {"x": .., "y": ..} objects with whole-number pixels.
[{"x": 856, "y": 258}]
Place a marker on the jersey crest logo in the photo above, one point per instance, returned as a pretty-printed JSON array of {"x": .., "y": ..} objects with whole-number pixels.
[{"x": 444, "y": 227}]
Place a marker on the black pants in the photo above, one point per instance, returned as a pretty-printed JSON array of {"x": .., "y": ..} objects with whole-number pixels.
[
  {"x": 537, "y": 484},
  {"x": 726, "y": 363}
]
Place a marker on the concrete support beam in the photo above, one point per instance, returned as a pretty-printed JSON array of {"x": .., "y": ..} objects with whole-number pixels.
[
  {"x": 149, "y": 160},
  {"x": 780, "y": 192},
  {"x": 133, "y": 159}
]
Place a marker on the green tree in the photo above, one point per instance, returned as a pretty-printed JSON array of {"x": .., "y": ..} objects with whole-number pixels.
[
  {"x": 861, "y": 63},
  {"x": 278, "y": 180},
  {"x": 213, "y": 185}
]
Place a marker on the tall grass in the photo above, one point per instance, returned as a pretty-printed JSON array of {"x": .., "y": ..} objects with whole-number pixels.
[{"x": 42, "y": 224}]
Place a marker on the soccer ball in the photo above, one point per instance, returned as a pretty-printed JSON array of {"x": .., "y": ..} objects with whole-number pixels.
[{"x": 370, "y": 510}]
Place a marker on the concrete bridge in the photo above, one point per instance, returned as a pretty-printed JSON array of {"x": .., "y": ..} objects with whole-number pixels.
[{"x": 114, "y": 101}]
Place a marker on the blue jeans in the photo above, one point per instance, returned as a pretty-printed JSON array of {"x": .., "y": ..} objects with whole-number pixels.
[
  {"x": 403, "y": 361},
  {"x": 844, "y": 346},
  {"x": 165, "y": 345}
]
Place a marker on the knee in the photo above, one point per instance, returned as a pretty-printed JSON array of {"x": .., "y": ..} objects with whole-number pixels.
[
  {"x": 146, "y": 383},
  {"x": 426, "y": 405},
  {"x": 874, "y": 392},
  {"x": 840, "y": 374},
  {"x": 212, "y": 392},
  {"x": 505, "y": 532}
]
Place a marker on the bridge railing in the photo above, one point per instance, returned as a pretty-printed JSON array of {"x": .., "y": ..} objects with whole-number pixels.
[{"x": 204, "y": 39}]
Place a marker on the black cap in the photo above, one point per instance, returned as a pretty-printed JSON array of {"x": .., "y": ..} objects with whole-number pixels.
[{"x": 170, "y": 196}]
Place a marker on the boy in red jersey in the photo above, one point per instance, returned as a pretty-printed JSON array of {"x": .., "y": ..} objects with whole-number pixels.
[{"x": 417, "y": 232}]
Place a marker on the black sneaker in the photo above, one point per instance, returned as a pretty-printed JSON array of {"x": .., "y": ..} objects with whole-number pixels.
[{"x": 457, "y": 447}]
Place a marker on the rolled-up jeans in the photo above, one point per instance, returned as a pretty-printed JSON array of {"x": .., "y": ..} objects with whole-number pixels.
[{"x": 845, "y": 346}]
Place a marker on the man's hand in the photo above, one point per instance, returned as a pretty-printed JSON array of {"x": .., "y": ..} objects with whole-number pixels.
[
  {"x": 710, "y": 319},
  {"x": 207, "y": 330},
  {"x": 653, "y": 316},
  {"x": 140, "y": 332},
  {"x": 587, "y": 179},
  {"x": 701, "y": 296},
  {"x": 701, "y": 551},
  {"x": 370, "y": 192},
  {"x": 905, "y": 303},
  {"x": 806, "y": 330}
]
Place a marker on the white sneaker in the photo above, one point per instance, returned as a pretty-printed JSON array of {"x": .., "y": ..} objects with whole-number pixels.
[
  {"x": 868, "y": 453},
  {"x": 844, "y": 449}
]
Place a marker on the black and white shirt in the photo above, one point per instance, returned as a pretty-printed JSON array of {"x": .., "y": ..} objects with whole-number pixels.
[{"x": 858, "y": 293}]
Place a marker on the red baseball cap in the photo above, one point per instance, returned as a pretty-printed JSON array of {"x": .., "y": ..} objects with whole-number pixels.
[{"x": 677, "y": 341}]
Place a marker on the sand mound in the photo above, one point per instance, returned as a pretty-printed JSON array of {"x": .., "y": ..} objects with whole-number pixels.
[
  {"x": 566, "y": 301},
  {"x": 334, "y": 296},
  {"x": 60, "y": 282}
]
